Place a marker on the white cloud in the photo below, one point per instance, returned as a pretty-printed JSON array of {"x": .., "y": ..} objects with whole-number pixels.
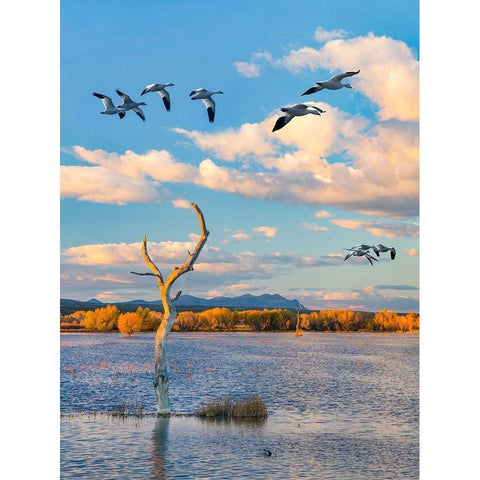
[
  {"x": 181, "y": 203},
  {"x": 322, "y": 35},
  {"x": 383, "y": 179},
  {"x": 241, "y": 236},
  {"x": 269, "y": 232},
  {"x": 412, "y": 252},
  {"x": 247, "y": 69},
  {"x": 323, "y": 214}
]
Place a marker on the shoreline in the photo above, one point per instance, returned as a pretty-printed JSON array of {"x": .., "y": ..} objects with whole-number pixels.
[{"x": 291, "y": 332}]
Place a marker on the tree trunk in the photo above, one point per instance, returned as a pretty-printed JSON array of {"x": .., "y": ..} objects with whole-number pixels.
[{"x": 160, "y": 381}]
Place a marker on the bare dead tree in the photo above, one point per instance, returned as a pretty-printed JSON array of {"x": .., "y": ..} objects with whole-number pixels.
[{"x": 160, "y": 382}]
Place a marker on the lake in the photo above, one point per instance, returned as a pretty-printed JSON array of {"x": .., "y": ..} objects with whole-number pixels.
[{"x": 342, "y": 406}]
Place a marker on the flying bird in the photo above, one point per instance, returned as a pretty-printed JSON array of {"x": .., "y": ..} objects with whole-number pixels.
[
  {"x": 334, "y": 83},
  {"x": 129, "y": 104},
  {"x": 361, "y": 246},
  {"x": 382, "y": 249},
  {"x": 206, "y": 97},
  {"x": 356, "y": 252},
  {"x": 298, "y": 110},
  {"x": 110, "y": 108},
  {"x": 160, "y": 89}
]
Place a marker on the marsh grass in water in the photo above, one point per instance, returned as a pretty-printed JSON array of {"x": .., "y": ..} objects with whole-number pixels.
[
  {"x": 123, "y": 410},
  {"x": 249, "y": 407}
]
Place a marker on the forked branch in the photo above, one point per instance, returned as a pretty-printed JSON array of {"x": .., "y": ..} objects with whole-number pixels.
[{"x": 185, "y": 267}]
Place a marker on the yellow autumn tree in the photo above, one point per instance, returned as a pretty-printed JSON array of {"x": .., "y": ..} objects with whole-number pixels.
[
  {"x": 106, "y": 318},
  {"x": 89, "y": 320},
  {"x": 130, "y": 322}
]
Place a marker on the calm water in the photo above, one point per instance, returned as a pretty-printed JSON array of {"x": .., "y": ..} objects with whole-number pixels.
[{"x": 342, "y": 406}]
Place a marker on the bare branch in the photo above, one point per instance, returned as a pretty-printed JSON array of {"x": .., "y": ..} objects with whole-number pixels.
[
  {"x": 188, "y": 265},
  {"x": 149, "y": 262},
  {"x": 148, "y": 273},
  {"x": 177, "y": 296}
]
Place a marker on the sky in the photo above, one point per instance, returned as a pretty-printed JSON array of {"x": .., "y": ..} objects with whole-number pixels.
[{"x": 281, "y": 207}]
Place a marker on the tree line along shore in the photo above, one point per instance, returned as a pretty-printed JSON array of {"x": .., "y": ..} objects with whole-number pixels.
[{"x": 109, "y": 318}]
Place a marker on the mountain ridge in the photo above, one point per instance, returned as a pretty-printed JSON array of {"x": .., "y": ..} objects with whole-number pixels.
[{"x": 247, "y": 301}]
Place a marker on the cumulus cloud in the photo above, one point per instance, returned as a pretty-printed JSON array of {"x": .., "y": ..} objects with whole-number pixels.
[
  {"x": 412, "y": 252},
  {"x": 323, "y": 214},
  {"x": 181, "y": 203},
  {"x": 247, "y": 69},
  {"x": 241, "y": 236},
  {"x": 269, "y": 232},
  {"x": 380, "y": 229},
  {"x": 101, "y": 184},
  {"x": 233, "y": 143},
  {"x": 380, "y": 181},
  {"x": 323, "y": 35}
]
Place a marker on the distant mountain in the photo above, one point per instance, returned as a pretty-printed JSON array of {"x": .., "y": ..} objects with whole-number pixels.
[{"x": 186, "y": 301}]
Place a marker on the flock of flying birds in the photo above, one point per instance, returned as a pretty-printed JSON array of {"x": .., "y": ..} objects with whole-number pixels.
[
  {"x": 362, "y": 251},
  {"x": 298, "y": 110},
  {"x": 128, "y": 104}
]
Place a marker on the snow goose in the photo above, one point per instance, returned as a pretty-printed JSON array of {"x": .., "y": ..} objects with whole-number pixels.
[
  {"x": 298, "y": 110},
  {"x": 359, "y": 253},
  {"x": 110, "y": 108},
  {"x": 206, "y": 97},
  {"x": 160, "y": 89},
  {"x": 334, "y": 83},
  {"x": 382, "y": 249},
  {"x": 129, "y": 104}
]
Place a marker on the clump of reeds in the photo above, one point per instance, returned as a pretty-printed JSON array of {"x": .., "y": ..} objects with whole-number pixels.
[
  {"x": 123, "y": 410},
  {"x": 249, "y": 407}
]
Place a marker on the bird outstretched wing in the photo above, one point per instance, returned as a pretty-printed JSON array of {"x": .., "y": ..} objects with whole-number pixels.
[
  {"x": 314, "y": 89},
  {"x": 340, "y": 76},
  {"x": 281, "y": 122}
]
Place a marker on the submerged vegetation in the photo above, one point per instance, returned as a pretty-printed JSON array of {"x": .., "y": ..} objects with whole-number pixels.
[
  {"x": 249, "y": 407},
  {"x": 109, "y": 318}
]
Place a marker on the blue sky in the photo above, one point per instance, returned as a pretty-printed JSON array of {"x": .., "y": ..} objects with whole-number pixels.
[{"x": 350, "y": 176}]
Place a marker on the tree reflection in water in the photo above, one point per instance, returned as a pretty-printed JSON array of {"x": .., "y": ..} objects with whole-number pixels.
[{"x": 159, "y": 447}]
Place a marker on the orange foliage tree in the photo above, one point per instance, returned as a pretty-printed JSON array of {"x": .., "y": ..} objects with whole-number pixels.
[{"x": 130, "y": 322}]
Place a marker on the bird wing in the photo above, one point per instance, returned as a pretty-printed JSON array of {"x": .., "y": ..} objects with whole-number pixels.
[
  {"x": 368, "y": 258},
  {"x": 316, "y": 108},
  {"x": 139, "y": 112},
  {"x": 348, "y": 255},
  {"x": 193, "y": 92},
  {"x": 107, "y": 101},
  {"x": 165, "y": 97},
  {"x": 340, "y": 76},
  {"x": 210, "y": 104},
  {"x": 375, "y": 249},
  {"x": 281, "y": 122},
  {"x": 124, "y": 96},
  {"x": 392, "y": 253},
  {"x": 121, "y": 114},
  {"x": 147, "y": 88},
  {"x": 314, "y": 89}
]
